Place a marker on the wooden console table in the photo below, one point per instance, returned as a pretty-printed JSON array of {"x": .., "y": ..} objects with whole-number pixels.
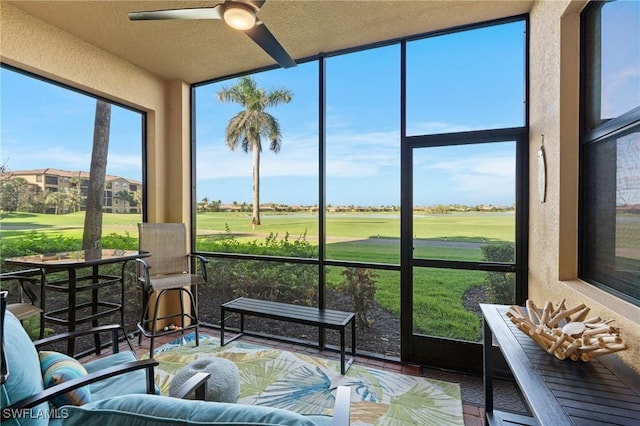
[{"x": 601, "y": 391}]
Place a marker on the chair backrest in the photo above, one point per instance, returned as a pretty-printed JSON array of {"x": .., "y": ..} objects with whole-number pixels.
[
  {"x": 167, "y": 243},
  {"x": 4, "y": 370}
]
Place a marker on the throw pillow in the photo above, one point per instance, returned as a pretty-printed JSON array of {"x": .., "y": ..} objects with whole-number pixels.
[{"x": 58, "y": 368}]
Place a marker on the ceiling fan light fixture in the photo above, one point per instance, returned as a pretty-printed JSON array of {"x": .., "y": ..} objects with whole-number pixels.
[{"x": 239, "y": 16}]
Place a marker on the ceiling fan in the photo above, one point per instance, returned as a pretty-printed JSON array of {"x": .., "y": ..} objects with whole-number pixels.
[{"x": 238, "y": 14}]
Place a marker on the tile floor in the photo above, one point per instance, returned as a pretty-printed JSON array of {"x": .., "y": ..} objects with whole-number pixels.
[{"x": 506, "y": 395}]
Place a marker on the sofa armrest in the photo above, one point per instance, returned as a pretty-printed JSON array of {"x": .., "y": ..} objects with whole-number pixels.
[
  {"x": 197, "y": 382},
  {"x": 342, "y": 406},
  {"x": 54, "y": 391}
]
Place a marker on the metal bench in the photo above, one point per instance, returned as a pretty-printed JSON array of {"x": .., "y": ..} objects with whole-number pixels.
[{"x": 307, "y": 315}]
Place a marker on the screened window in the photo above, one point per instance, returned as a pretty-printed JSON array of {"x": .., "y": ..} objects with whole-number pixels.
[
  {"x": 363, "y": 156},
  {"x": 333, "y": 229},
  {"x": 610, "y": 152},
  {"x": 248, "y": 204},
  {"x": 47, "y": 129},
  {"x": 467, "y": 80}
]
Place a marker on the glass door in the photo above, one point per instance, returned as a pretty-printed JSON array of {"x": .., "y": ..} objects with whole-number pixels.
[{"x": 463, "y": 234}]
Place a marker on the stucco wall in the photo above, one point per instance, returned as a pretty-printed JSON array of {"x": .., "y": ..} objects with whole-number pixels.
[
  {"x": 554, "y": 88},
  {"x": 35, "y": 46}
]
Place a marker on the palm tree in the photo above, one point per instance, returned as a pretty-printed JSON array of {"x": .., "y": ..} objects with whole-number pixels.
[
  {"x": 75, "y": 199},
  {"x": 92, "y": 236},
  {"x": 57, "y": 199},
  {"x": 248, "y": 127}
]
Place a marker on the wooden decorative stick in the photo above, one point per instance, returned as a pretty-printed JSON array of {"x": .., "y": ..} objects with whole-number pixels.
[
  {"x": 546, "y": 312},
  {"x": 564, "y": 314},
  {"x": 557, "y": 344},
  {"x": 580, "y": 316},
  {"x": 578, "y": 338}
]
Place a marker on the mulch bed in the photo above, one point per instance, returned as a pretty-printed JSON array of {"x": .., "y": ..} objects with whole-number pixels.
[{"x": 381, "y": 337}]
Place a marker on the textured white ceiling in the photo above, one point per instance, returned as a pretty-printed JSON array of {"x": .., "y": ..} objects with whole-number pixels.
[{"x": 195, "y": 51}]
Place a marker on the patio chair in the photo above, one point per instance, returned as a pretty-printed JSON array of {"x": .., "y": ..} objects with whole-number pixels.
[
  {"x": 27, "y": 306},
  {"x": 121, "y": 390},
  {"x": 167, "y": 272},
  {"x": 23, "y": 388}
]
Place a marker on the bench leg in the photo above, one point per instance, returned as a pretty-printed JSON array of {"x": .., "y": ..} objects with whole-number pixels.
[
  {"x": 344, "y": 365},
  {"x": 342, "y": 351},
  {"x": 222, "y": 315},
  {"x": 353, "y": 338},
  {"x": 222, "y": 326}
]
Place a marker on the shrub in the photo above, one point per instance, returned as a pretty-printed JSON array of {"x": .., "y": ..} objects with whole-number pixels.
[
  {"x": 360, "y": 285},
  {"x": 38, "y": 243},
  {"x": 500, "y": 286},
  {"x": 276, "y": 281},
  {"x": 120, "y": 242},
  {"x": 272, "y": 245}
]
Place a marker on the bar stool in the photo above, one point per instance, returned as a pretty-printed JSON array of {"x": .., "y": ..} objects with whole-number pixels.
[
  {"x": 26, "y": 307},
  {"x": 167, "y": 271}
]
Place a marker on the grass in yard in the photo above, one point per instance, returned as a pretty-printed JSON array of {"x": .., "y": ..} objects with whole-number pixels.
[
  {"x": 474, "y": 227},
  {"x": 374, "y": 237}
]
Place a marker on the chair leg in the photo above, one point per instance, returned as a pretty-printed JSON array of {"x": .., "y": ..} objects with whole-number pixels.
[
  {"x": 154, "y": 324},
  {"x": 182, "y": 313},
  {"x": 196, "y": 318},
  {"x": 145, "y": 312}
]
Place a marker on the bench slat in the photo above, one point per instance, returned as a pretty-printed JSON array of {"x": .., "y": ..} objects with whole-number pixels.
[
  {"x": 308, "y": 315},
  {"x": 303, "y": 314}
]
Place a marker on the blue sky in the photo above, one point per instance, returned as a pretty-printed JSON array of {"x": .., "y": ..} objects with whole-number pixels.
[
  {"x": 456, "y": 82},
  {"x": 44, "y": 125}
]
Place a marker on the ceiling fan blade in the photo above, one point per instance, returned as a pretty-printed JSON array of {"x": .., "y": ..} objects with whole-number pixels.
[
  {"x": 257, "y": 3},
  {"x": 194, "y": 13},
  {"x": 261, "y": 35}
]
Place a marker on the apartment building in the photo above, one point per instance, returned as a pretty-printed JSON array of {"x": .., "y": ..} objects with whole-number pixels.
[{"x": 121, "y": 195}]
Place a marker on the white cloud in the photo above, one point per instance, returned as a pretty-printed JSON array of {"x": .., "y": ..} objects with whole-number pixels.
[
  {"x": 53, "y": 156},
  {"x": 481, "y": 178},
  {"x": 500, "y": 165}
]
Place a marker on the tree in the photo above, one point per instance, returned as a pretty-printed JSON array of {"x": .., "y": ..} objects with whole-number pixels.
[
  {"x": 39, "y": 201},
  {"x": 203, "y": 205},
  {"x": 14, "y": 194},
  {"x": 75, "y": 199},
  {"x": 137, "y": 197},
  {"x": 56, "y": 199},
  {"x": 248, "y": 127},
  {"x": 127, "y": 198},
  {"x": 92, "y": 236}
]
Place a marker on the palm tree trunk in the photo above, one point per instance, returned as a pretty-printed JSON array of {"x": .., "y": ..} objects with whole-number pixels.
[
  {"x": 92, "y": 236},
  {"x": 256, "y": 185}
]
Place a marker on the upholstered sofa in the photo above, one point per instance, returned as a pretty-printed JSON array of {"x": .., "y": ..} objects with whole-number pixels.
[{"x": 26, "y": 401}]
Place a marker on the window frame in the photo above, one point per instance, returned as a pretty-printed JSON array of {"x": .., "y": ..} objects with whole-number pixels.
[{"x": 592, "y": 132}]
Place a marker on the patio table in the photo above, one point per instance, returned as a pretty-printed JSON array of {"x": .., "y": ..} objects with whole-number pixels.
[{"x": 71, "y": 262}]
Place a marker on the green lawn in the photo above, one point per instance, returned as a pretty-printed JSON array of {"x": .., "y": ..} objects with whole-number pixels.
[
  {"x": 372, "y": 237},
  {"x": 456, "y": 226}
]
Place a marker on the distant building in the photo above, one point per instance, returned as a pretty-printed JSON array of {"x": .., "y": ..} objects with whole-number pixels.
[{"x": 121, "y": 195}]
